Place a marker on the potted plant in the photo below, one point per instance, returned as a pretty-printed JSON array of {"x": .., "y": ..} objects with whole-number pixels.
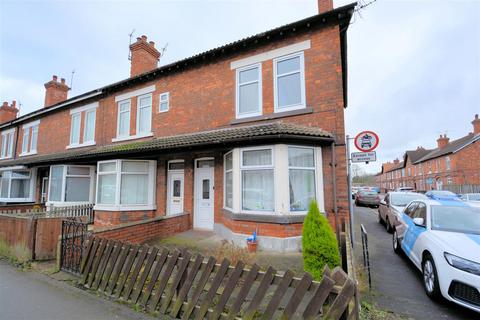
[{"x": 252, "y": 242}]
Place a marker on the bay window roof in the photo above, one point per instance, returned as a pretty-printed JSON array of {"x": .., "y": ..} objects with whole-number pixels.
[{"x": 274, "y": 131}]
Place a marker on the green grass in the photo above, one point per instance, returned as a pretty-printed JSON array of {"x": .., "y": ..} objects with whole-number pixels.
[{"x": 18, "y": 254}]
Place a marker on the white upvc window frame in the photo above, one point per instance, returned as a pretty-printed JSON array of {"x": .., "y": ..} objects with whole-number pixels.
[
  {"x": 25, "y": 140},
  {"x": 164, "y": 98},
  {"x": 34, "y": 142},
  {"x": 32, "y": 178},
  {"x": 117, "y": 206},
  {"x": 314, "y": 169},
  {"x": 302, "y": 103},
  {"x": 253, "y": 168},
  {"x": 86, "y": 127},
  {"x": 7, "y": 144},
  {"x": 448, "y": 164},
  {"x": 65, "y": 175},
  {"x": 259, "y": 112},
  {"x": 119, "y": 112},
  {"x": 149, "y": 131},
  {"x": 29, "y": 144},
  {"x": 72, "y": 119},
  {"x": 225, "y": 171}
]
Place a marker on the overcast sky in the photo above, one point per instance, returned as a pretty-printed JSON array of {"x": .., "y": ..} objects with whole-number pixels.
[{"x": 414, "y": 66}]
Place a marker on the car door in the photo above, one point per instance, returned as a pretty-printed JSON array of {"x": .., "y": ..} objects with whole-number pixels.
[
  {"x": 383, "y": 208},
  {"x": 413, "y": 232}
]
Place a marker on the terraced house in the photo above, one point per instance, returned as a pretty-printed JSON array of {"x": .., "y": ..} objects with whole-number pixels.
[
  {"x": 236, "y": 139},
  {"x": 453, "y": 165}
]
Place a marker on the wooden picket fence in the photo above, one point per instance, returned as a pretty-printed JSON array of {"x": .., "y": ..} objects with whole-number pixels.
[
  {"x": 81, "y": 210},
  {"x": 179, "y": 285}
]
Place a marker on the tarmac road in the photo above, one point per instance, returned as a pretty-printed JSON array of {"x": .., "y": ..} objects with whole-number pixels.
[
  {"x": 30, "y": 295},
  {"x": 396, "y": 283}
]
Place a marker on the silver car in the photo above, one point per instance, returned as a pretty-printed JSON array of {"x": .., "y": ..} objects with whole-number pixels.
[{"x": 392, "y": 206}]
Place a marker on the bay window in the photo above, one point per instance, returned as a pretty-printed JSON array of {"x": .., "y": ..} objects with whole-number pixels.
[
  {"x": 257, "y": 180},
  {"x": 228, "y": 162},
  {"x": 289, "y": 82},
  {"x": 277, "y": 179},
  {"x": 301, "y": 162},
  {"x": 126, "y": 185},
  {"x": 249, "y": 91},
  {"x": 17, "y": 185},
  {"x": 71, "y": 183}
]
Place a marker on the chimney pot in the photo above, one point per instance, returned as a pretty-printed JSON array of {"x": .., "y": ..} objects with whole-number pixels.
[
  {"x": 144, "y": 56},
  {"x": 62, "y": 80},
  {"x": 5, "y": 104},
  {"x": 476, "y": 124},
  {"x": 443, "y": 141},
  {"x": 14, "y": 104},
  {"x": 54, "y": 78}
]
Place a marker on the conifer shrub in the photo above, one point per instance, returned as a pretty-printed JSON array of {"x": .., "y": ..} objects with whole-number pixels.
[{"x": 319, "y": 244}]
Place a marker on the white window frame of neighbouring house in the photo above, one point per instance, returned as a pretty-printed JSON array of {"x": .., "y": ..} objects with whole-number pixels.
[
  {"x": 112, "y": 176},
  {"x": 22, "y": 178},
  {"x": 71, "y": 185},
  {"x": 7, "y": 143},
  {"x": 29, "y": 138},
  {"x": 85, "y": 115},
  {"x": 287, "y": 175}
]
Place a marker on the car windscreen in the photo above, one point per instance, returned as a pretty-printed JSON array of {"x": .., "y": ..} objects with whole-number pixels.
[
  {"x": 443, "y": 193},
  {"x": 402, "y": 200},
  {"x": 456, "y": 218}
]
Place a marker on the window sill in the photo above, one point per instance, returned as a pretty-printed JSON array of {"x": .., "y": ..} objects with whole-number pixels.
[
  {"x": 297, "y": 112},
  {"x": 7, "y": 200},
  {"x": 291, "y": 218},
  {"x": 27, "y": 154},
  {"x": 5, "y": 158},
  {"x": 86, "y": 144},
  {"x": 137, "y": 136},
  {"x": 124, "y": 208}
]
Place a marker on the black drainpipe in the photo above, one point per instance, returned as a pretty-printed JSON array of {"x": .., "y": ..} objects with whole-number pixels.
[{"x": 335, "y": 208}]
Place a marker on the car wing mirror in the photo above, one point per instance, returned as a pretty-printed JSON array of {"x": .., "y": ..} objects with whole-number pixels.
[{"x": 419, "y": 222}]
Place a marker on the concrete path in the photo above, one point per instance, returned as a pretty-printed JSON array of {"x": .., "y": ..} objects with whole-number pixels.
[
  {"x": 30, "y": 295},
  {"x": 396, "y": 283}
]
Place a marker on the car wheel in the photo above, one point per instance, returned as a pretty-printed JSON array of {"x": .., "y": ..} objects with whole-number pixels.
[
  {"x": 388, "y": 226},
  {"x": 396, "y": 243},
  {"x": 430, "y": 277}
]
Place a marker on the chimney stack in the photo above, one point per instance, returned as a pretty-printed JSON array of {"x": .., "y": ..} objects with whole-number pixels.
[
  {"x": 442, "y": 141},
  {"x": 476, "y": 125},
  {"x": 55, "y": 91},
  {"x": 396, "y": 161},
  {"x": 8, "y": 112},
  {"x": 144, "y": 56},
  {"x": 324, "y": 6}
]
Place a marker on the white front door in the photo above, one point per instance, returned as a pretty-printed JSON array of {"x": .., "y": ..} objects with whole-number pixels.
[
  {"x": 175, "y": 192},
  {"x": 204, "y": 197}
]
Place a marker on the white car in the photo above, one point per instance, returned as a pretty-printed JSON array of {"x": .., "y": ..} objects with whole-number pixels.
[{"x": 442, "y": 239}]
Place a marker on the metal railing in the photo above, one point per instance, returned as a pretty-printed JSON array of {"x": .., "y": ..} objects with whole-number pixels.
[{"x": 366, "y": 257}]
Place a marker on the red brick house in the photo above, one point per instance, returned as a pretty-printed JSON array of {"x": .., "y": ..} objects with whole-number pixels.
[
  {"x": 453, "y": 165},
  {"x": 236, "y": 139}
]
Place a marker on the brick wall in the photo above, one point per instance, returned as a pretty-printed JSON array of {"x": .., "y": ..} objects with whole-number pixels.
[{"x": 142, "y": 231}]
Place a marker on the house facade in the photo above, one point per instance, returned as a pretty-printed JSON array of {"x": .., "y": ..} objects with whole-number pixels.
[
  {"x": 237, "y": 139},
  {"x": 450, "y": 166}
]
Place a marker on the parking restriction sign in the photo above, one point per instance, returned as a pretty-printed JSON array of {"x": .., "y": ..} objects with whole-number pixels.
[{"x": 366, "y": 141}]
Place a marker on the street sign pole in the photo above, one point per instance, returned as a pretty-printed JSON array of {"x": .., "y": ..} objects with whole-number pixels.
[{"x": 349, "y": 184}]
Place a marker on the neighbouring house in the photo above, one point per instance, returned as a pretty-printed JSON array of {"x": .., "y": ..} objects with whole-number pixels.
[
  {"x": 453, "y": 165},
  {"x": 236, "y": 139}
]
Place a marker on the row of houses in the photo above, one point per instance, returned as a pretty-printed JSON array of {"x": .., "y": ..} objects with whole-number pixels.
[
  {"x": 453, "y": 165},
  {"x": 239, "y": 138}
]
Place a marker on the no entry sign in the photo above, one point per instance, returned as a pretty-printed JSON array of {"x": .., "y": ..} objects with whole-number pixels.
[{"x": 366, "y": 141}]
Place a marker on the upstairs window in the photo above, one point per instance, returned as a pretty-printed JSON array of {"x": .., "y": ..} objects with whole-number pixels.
[
  {"x": 164, "y": 102},
  {"x": 289, "y": 82},
  {"x": 7, "y": 144},
  {"x": 144, "y": 114},
  {"x": 29, "y": 138},
  {"x": 75, "y": 129},
  {"x": 249, "y": 91},
  {"x": 447, "y": 163},
  {"x": 123, "y": 129},
  {"x": 89, "y": 128}
]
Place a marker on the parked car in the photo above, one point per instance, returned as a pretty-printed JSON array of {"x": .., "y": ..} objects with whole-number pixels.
[
  {"x": 442, "y": 239},
  {"x": 392, "y": 206},
  {"x": 404, "y": 189},
  {"x": 442, "y": 195},
  {"x": 354, "y": 191},
  {"x": 367, "y": 198},
  {"x": 470, "y": 197}
]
